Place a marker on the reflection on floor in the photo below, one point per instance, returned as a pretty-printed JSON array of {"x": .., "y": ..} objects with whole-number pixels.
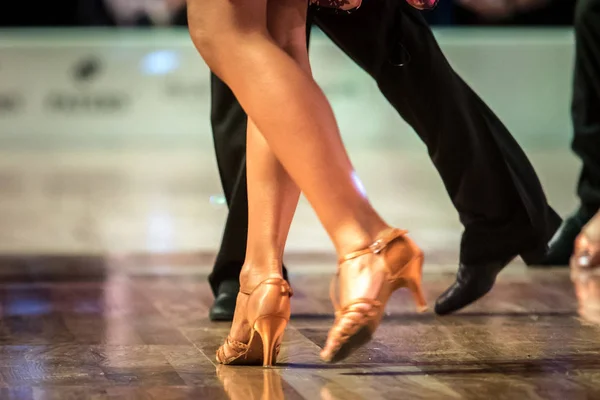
[
  {"x": 122, "y": 332},
  {"x": 103, "y": 264}
]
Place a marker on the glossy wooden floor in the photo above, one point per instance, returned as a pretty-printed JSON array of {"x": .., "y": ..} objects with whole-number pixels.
[
  {"x": 78, "y": 324},
  {"x": 104, "y": 329}
]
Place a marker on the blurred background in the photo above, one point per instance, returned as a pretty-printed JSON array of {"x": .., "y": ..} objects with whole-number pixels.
[{"x": 106, "y": 147}]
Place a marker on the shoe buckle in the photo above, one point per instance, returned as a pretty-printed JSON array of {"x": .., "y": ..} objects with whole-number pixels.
[{"x": 377, "y": 246}]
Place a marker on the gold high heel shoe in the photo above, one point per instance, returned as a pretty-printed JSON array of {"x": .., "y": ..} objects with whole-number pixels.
[
  {"x": 267, "y": 313},
  {"x": 356, "y": 322}
]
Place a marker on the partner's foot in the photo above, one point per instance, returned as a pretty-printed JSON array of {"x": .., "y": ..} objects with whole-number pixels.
[{"x": 224, "y": 305}]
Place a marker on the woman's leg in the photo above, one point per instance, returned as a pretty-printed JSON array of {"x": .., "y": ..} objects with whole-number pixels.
[
  {"x": 272, "y": 200},
  {"x": 281, "y": 98},
  {"x": 272, "y": 194},
  {"x": 289, "y": 109}
]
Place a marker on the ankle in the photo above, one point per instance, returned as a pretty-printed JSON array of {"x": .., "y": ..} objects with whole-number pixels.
[
  {"x": 253, "y": 274},
  {"x": 356, "y": 238}
]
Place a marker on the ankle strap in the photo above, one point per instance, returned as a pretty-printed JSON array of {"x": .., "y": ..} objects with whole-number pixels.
[
  {"x": 285, "y": 287},
  {"x": 377, "y": 246}
]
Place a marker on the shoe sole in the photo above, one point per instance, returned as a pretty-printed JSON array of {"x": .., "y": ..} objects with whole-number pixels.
[{"x": 355, "y": 342}]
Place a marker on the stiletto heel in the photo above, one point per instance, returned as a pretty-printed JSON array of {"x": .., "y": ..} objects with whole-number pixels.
[
  {"x": 414, "y": 285},
  {"x": 270, "y": 330},
  {"x": 419, "y": 298},
  {"x": 267, "y": 312},
  {"x": 356, "y": 322}
]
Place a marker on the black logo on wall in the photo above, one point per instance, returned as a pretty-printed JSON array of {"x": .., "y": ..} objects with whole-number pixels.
[
  {"x": 10, "y": 102},
  {"x": 87, "y": 69},
  {"x": 87, "y": 96}
]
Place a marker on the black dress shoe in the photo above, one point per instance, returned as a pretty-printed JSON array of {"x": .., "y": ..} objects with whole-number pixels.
[
  {"x": 224, "y": 305},
  {"x": 472, "y": 283},
  {"x": 475, "y": 281},
  {"x": 562, "y": 244}
]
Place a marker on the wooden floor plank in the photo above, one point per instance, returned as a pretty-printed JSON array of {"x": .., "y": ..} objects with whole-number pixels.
[{"x": 127, "y": 336}]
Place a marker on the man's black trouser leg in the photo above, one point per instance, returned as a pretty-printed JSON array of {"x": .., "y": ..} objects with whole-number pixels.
[
  {"x": 229, "y": 135},
  {"x": 488, "y": 177}
]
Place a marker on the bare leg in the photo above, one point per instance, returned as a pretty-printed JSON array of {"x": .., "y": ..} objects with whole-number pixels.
[
  {"x": 289, "y": 109},
  {"x": 241, "y": 42},
  {"x": 272, "y": 200}
]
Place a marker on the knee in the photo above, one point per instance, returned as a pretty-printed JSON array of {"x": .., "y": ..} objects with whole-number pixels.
[
  {"x": 287, "y": 25},
  {"x": 222, "y": 45},
  {"x": 207, "y": 34},
  {"x": 288, "y": 39},
  {"x": 219, "y": 50},
  {"x": 205, "y": 42},
  {"x": 295, "y": 46}
]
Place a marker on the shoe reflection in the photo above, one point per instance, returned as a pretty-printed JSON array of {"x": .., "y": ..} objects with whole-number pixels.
[
  {"x": 250, "y": 383},
  {"x": 337, "y": 393},
  {"x": 255, "y": 383}
]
